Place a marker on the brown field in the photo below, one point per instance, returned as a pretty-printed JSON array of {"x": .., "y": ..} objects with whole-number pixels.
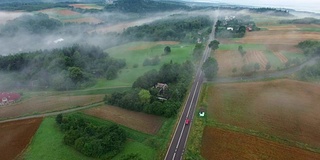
[
  {"x": 286, "y": 37},
  {"x": 256, "y": 57},
  {"x": 227, "y": 60},
  {"x": 15, "y": 136},
  {"x": 91, "y": 20},
  {"x": 136, "y": 120},
  {"x": 66, "y": 12},
  {"x": 43, "y": 104},
  {"x": 284, "y": 108},
  {"x": 86, "y": 6},
  {"x": 280, "y": 56},
  {"x": 224, "y": 144}
]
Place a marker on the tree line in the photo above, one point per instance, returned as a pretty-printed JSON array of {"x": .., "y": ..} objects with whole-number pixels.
[
  {"x": 177, "y": 29},
  {"x": 61, "y": 69},
  {"x": 146, "y": 97},
  {"x": 90, "y": 139},
  {"x": 311, "y": 48}
]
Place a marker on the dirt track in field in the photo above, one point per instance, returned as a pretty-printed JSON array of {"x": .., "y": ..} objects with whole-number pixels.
[
  {"x": 42, "y": 104},
  {"x": 223, "y": 144},
  {"x": 15, "y": 136},
  {"x": 136, "y": 120},
  {"x": 285, "y": 108}
]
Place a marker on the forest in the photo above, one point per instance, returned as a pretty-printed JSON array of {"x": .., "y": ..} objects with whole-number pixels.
[
  {"x": 149, "y": 96},
  {"x": 67, "y": 68},
  {"x": 92, "y": 140},
  {"x": 187, "y": 29}
]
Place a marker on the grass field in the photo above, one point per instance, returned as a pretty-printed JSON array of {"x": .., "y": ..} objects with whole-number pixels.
[
  {"x": 136, "y": 52},
  {"x": 283, "y": 108},
  {"x": 48, "y": 142}
]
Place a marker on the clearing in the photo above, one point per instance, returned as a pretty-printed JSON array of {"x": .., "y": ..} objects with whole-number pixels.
[
  {"x": 285, "y": 108},
  {"x": 15, "y": 136},
  {"x": 87, "y": 6},
  {"x": 143, "y": 122},
  {"x": 42, "y": 104},
  {"x": 224, "y": 144}
]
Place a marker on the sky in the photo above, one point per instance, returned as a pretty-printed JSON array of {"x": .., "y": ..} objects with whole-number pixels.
[{"x": 300, "y": 5}]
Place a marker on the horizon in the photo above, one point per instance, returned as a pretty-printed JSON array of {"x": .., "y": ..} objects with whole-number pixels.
[{"x": 298, "y": 5}]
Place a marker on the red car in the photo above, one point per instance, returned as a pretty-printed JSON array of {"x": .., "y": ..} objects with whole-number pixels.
[{"x": 187, "y": 121}]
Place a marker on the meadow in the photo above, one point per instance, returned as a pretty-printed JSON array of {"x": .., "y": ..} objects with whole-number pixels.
[{"x": 135, "y": 53}]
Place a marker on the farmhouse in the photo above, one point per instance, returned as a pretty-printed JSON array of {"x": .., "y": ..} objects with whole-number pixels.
[{"x": 8, "y": 98}]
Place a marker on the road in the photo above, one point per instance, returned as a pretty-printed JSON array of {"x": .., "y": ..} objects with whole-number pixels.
[{"x": 179, "y": 139}]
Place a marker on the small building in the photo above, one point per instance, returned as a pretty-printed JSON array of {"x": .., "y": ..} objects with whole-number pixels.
[
  {"x": 201, "y": 112},
  {"x": 230, "y": 28}
]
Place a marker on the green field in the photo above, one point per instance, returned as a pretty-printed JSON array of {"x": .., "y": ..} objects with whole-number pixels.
[
  {"x": 48, "y": 142},
  {"x": 234, "y": 46},
  {"x": 135, "y": 53}
]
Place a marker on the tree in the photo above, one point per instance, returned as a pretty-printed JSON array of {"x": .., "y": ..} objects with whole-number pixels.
[
  {"x": 256, "y": 66},
  {"x": 242, "y": 51},
  {"x": 144, "y": 96},
  {"x": 214, "y": 45},
  {"x": 234, "y": 70},
  {"x": 167, "y": 50},
  {"x": 210, "y": 68},
  {"x": 59, "y": 118},
  {"x": 268, "y": 66}
]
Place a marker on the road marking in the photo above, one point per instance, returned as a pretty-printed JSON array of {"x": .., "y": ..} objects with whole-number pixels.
[{"x": 194, "y": 93}]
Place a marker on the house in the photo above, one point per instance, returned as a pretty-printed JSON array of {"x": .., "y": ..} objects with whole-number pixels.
[
  {"x": 249, "y": 29},
  {"x": 162, "y": 86},
  {"x": 8, "y": 98}
]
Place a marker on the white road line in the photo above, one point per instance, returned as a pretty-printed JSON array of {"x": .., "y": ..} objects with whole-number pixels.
[{"x": 194, "y": 93}]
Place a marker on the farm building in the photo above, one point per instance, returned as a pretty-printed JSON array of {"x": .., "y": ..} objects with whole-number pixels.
[
  {"x": 230, "y": 28},
  {"x": 8, "y": 98}
]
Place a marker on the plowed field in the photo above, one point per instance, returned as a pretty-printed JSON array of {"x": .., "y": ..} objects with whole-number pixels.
[
  {"x": 15, "y": 136},
  {"x": 136, "y": 120},
  {"x": 43, "y": 104},
  {"x": 223, "y": 144},
  {"x": 284, "y": 108}
]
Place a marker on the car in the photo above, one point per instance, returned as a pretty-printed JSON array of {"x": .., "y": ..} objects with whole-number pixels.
[{"x": 187, "y": 121}]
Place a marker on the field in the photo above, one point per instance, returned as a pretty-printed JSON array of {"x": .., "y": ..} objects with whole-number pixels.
[
  {"x": 276, "y": 45},
  {"x": 15, "y": 136},
  {"x": 217, "y": 144},
  {"x": 136, "y": 52},
  {"x": 66, "y": 15},
  {"x": 42, "y": 104},
  {"x": 139, "y": 121},
  {"x": 87, "y": 6},
  {"x": 283, "y": 108},
  {"x": 48, "y": 143}
]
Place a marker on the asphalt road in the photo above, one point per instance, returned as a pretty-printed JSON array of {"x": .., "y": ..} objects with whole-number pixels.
[{"x": 179, "y": 140}]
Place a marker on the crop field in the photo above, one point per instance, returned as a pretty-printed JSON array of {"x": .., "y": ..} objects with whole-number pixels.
[
  {"x": 66, "y": 15},
  {"x": 48, "y": 143},
  {"x": 15, "y": 136},
  {"x": 230, "y": 59},
  {"x": 223, "y": 144},
  {"x": 42, "y": 104},
  {"x": 136, "y": 52},
  {"x": 284, "y": 108},
  {"x": 87, "y": 6},
  {"x": 135, "y": 120}
]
